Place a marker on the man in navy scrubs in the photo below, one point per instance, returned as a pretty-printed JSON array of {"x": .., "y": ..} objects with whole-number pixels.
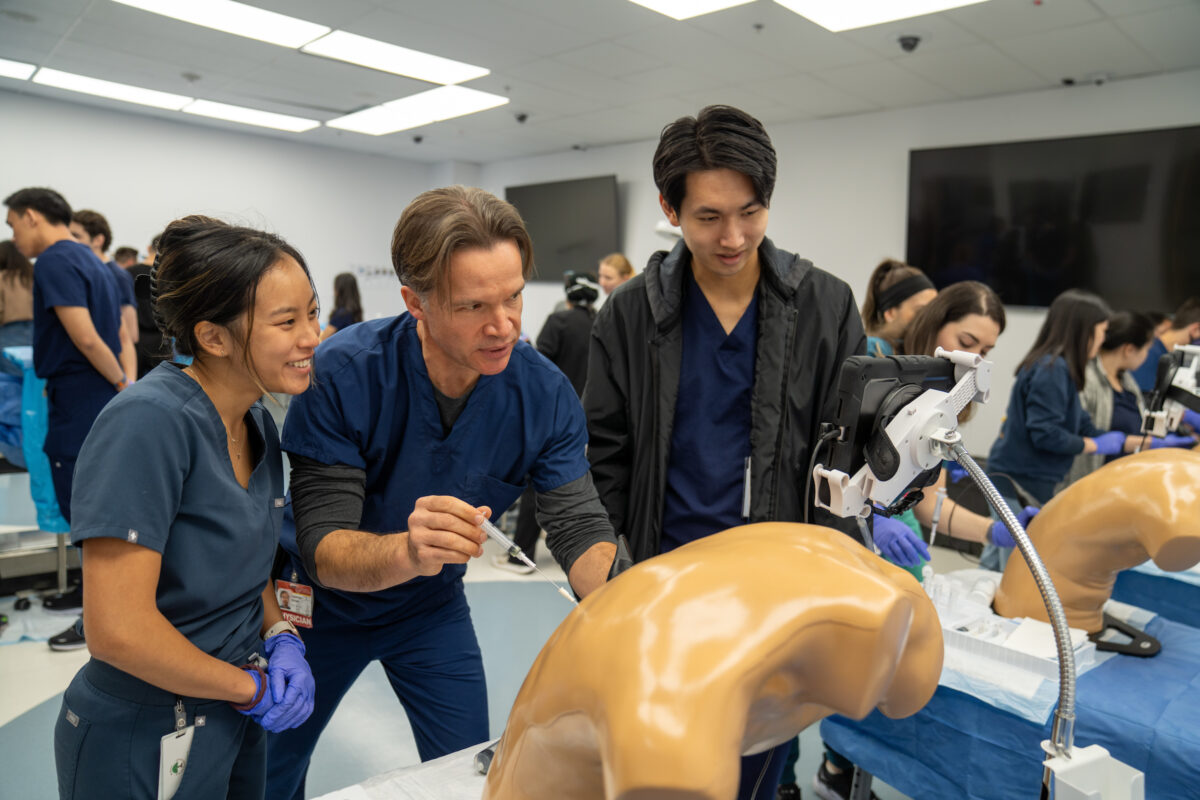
[
  {"x": 77, "y": 341},
  {"x": 710, "y": 372},
  {"x": 415, "y": 430},
  {"x": 91, "y": 228}
]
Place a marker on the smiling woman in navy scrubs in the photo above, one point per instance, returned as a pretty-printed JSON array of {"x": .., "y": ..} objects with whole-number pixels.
[{"x": 177, "y": 505}]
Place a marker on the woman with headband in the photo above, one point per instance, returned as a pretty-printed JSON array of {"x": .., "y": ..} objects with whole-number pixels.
[{"x": 895, "y": 293}]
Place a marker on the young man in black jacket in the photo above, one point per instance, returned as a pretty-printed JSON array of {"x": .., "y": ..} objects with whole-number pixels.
[{"x": 710, "y": 372}]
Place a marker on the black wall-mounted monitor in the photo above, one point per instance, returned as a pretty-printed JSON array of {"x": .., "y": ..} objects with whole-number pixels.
[
  {"x": 573, "y": 224},
  {"x": 1118, "y": 215}
]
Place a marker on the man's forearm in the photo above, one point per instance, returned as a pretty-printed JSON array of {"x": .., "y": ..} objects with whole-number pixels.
[
  {"x": 128, "y": 357},
  {"x": 590, "y": 570},
  {"x": 357, "y": 561},
  {"x": 102, "y": 360}
]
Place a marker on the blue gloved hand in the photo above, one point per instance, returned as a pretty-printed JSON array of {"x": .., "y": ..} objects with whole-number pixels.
[
  {"x": 999, "y": 534},
  {"x": 1109, "y": 444},
  {"x": 955, "y": 472},
  {"x": 1192, "y": 418},
  {"x": 263, "y": 703},
  {"x": 291, "y": 683},
  {"x": 898, "y": 543},
  {"x": 1172, "y": 440}
]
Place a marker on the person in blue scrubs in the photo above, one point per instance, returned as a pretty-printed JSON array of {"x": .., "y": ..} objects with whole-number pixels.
[
  {"x": 177, "y": 507},
  {"x": 77, "y": 344},
  {"x": 1112, "y": 398},
  {"x": 1184, "y": 329},
  {"x": 895, "y": 293},
  {"x": 1045, "y": 426},
  {"x": 417, "y": 428},
  {"x": 710, "y": 372},
  {"x": 92, "y": 229}
]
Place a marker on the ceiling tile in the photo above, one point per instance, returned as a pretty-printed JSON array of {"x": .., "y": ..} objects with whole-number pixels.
[
  {"x": 600, "y": 20},
  {"x": 814, "y": 97},
  {"x": 1116, "y": 8},
  {"x": 782, "y": 35},
  {"x": 520, "y": 31},
  {"x": 937, "y": 33},
  {"x": 974, "y": 71},
  {"x": 1002, "y": 19},
  {"x": 1170, "y": 36},
  {"x": 407, "y": 31},
  {"x": 885, "y": 83},
  {"x": 1080, "y": 52},
  {"x": 694, "y": 48},
  {"x": 611, "y": 60}
]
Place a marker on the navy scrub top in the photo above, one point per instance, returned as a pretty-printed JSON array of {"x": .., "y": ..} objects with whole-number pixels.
[
  {"x": 155, "y": 471},
  {"x": 124, "y": 284},
  {"x": 68, "y": 273},
  {"x": 1144, "y": 375},
  {"x": 710, "y": 437},
  {"x": 372, "y": 407}
]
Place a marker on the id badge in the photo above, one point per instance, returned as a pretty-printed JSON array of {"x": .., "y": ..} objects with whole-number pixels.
[
  {"x": 173, "y": 760},
  {"x": 295, "y": 602}
]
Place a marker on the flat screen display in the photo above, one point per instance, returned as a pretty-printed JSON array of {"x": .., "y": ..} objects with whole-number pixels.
[
  {"x": 573, "y": 224},
  {"x": 1117, "y": 214}
]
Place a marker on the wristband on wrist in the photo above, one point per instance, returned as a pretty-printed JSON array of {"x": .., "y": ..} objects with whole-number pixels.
[
  {"x": 258, "y": 695},
  {"x": 121, "y": 384},
  {"x": 283, "y": 626}
]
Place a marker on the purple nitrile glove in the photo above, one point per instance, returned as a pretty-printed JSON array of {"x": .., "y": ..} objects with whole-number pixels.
[
  {"x": 897, "y": 542},
  {"x": 1172, "y": 440},
  {"x": 291, "y": 683},
  {"x": 999, "y": 534},
  {"x": 1109, "y": 444},
  {"x": 1192, "y": 418}
]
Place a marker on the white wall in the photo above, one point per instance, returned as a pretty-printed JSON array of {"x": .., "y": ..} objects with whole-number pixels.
[
  {"x": 841, "y": 196},
  {"x": 338, "y": 208}
]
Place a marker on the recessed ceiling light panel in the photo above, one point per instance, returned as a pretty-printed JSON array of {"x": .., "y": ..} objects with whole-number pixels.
[
  {"x": 844, "y": 15},
  {"x": 392, "y": 58},
  {"x": 251, "y": 116},
  {"x": 435, "y": 105},
  {"x": 15, "y": 69},
  {"x": 115, "y": 91},
  {"x": 236, "y": 18},
  {"x": 686, "y": 9}
]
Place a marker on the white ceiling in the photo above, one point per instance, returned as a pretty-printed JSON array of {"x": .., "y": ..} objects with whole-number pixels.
[{"x": 596, "y": 72}]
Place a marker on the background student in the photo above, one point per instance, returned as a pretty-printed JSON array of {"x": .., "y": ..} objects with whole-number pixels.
[
  {"x": 347, "y": 305},
  {"x": 1046, "y": 426},
  {"x": 895, "y": 293}
]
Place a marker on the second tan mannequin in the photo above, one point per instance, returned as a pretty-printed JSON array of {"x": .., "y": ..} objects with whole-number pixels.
[
  {"x": 662, "y": 679},
  {"x": 1138, "y": 507}
]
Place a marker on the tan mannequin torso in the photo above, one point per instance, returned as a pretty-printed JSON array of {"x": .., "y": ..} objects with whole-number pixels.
[
  {"x": 1141, "y": 506},
  {"x": 727, "y": 646}
]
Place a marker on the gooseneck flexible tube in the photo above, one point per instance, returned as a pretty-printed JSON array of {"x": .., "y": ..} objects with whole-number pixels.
[{"x": 1062, "y": 733}]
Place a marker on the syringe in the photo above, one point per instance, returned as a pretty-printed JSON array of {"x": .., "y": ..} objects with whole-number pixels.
[{"x": 511, "y": 549}]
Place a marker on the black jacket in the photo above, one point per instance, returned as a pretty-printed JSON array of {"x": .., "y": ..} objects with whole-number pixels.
[
  {"x": 564, "y": 339},
  {"x": 808, "y": 324}
]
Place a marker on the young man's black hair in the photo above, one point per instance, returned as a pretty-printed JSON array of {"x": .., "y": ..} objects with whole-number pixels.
[
  {"x": 47, "y": 202},
  {"x": 719, "y": 137}
]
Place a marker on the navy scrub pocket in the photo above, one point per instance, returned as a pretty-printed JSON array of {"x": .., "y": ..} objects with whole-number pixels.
[{"x": 69, "y": 734}]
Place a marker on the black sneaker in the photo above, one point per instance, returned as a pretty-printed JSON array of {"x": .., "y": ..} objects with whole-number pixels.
[
  {"x": 70, "y": 639},
  {"x": 70, "y": 602},
  {"x": 787, "y": 791},
  {"x": 834, "y": 787}
]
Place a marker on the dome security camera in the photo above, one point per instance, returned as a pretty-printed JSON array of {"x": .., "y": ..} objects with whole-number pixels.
[{"x": 909, "y": 43}]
